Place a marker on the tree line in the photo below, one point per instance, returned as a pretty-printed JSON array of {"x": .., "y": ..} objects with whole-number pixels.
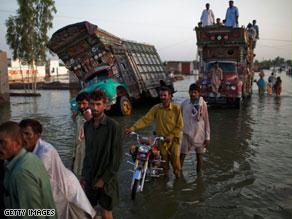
[{"x": 270, "y": 63}]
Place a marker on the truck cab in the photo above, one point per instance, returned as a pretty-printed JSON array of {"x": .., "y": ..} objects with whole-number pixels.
[
  {"x": 117, "y": 93},
  {"x": 231, "y": 85},
  {"x": 233, "y": 51}
]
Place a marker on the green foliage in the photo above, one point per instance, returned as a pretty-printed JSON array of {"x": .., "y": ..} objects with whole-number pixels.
[
  {"x": 27, "y": 32},
  {"x": 267, "y": 64}
]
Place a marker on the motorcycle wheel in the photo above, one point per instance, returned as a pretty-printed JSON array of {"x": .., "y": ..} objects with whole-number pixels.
[{"x": 134, "y": 189}]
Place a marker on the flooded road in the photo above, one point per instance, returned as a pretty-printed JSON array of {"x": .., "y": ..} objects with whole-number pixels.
[{"x": 247, "y": 171}]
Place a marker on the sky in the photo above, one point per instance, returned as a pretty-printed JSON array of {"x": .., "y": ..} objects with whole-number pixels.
[{"x": 168, "y": 24}]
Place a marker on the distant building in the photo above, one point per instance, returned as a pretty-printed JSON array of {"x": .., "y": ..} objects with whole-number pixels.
[
  {"x": 4, "y": 86},
  {"x": 181, "y": 67},
  {"x": 22, "y": 72}
]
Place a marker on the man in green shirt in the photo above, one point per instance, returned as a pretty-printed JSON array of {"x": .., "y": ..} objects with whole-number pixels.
[
  {"x": 103, "y": 155},
  {"x": 26, "y": 181}
]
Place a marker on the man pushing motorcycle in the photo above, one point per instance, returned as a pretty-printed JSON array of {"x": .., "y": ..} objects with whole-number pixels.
[{"x": 168, "y": 122}]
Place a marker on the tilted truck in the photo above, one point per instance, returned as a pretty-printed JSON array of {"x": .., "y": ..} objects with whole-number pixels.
[
  {"x": 233, "y": 50},
  {"x": 125, "y": 70}
]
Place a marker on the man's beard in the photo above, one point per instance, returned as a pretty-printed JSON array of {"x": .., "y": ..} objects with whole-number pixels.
[
  {"x": 165, "y": 101},
  {"x": 96, "y": 114}
]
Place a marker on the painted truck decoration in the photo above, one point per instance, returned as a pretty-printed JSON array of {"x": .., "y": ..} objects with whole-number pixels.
[
  {"x": 233, "y": 50},
  {"x": 125, "y": 70}
]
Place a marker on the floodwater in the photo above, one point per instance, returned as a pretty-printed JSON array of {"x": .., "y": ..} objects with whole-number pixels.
[{"x": 247, "y": 171}]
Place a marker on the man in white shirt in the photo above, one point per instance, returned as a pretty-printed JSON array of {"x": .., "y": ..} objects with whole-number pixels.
[
  {"x": 207, "y": 17},
  {"x": 231, "y": 18},
  {"x": 70, "y": 199},
  {"x": 196, "y": 129}
]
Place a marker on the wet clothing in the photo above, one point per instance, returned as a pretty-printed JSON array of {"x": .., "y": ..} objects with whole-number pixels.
[
  {"x": 270, "y": 88},
  {"x": 99, "y": 196},
  {"x": 207, "y": 17},
  {"x": 216, "y": 78},
  {"x": 168, "y": 122},
  {"x": 70, "y": 199},
  {"x": 27, "y": 184},
  {"x": 261, "y": 85},
  {"x": 273, "y": 79},
  {"x": 187, "y": 145},
  {"x": 103, "y": 155},
  {"x": 278, "y": 87},
  {"x": 196, "y": 128},
  {"x": 230, "y": 18},
  {"x": 79, "y": 152}
]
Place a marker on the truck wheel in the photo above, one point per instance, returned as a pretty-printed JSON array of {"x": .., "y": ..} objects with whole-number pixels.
[
  {"x": 124, "y": 106},
  {"x": 134, "y": 189}
]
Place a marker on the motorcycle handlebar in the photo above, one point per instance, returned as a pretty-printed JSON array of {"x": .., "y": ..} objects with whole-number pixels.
[{"x": 151, "y": 145}]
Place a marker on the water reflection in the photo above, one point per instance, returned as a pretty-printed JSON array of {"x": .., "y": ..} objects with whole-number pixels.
[{"x": 277, "y": 103}]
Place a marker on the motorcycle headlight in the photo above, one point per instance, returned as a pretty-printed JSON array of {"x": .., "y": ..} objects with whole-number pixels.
[
  {"x": 233, "y": 87},
  {"x": 143, "y": 149}
]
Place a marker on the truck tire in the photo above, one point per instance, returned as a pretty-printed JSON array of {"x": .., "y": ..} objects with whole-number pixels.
[{"x": 124, "y": 106}]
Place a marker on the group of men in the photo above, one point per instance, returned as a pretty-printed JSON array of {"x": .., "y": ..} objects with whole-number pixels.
[
  {"x": 231, "y": 17},
  {"x": 35, "y": 177},
  {"x": 184, "y": 127},
  {"x": 231, "y": 20}
]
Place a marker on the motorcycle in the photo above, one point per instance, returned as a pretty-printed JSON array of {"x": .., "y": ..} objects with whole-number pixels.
[{"x": 147, "y": 159}]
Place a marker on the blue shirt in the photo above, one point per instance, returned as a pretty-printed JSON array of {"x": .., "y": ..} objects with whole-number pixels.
[
  {"x": 261, "y": 83},
  {"x": 231, "y": 14}
]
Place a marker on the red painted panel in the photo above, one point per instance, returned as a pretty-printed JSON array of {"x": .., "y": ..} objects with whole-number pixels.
[{"x": 185, "y": 67}]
